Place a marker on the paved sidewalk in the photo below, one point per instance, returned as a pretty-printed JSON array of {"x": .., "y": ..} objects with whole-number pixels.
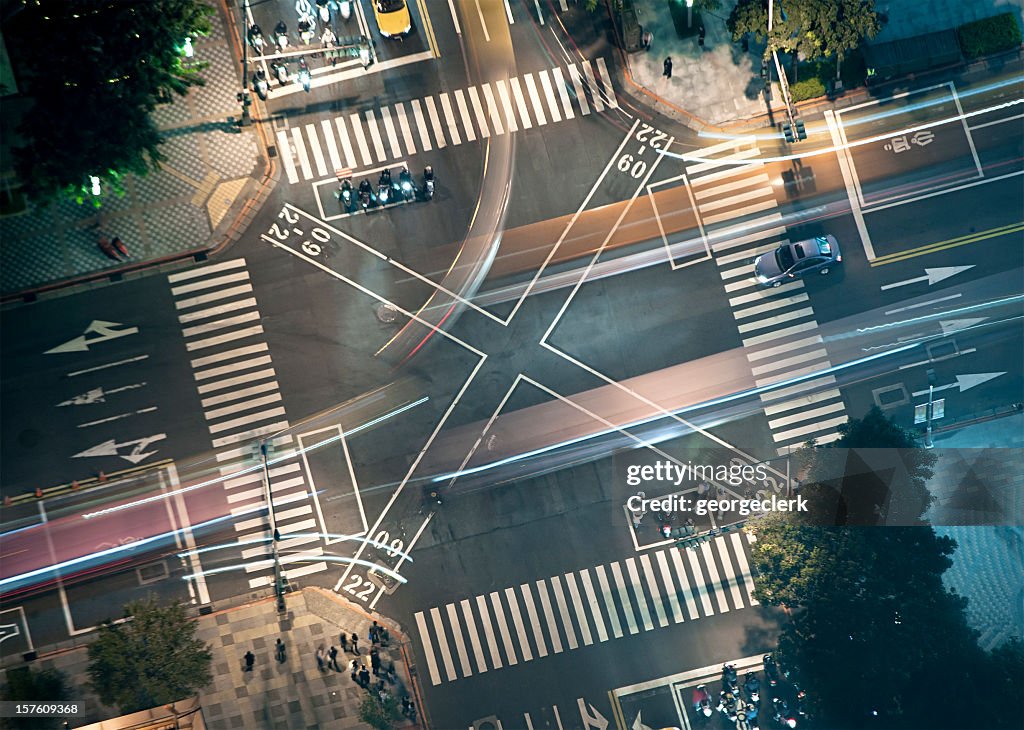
[
  {"x": 979, "y": 501},
  {"x": 290, "y": 695},
  {"x": 720, "y": 84},
  {"x": 212, "y": 166}
]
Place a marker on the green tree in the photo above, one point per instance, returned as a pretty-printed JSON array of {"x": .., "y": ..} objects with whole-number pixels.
[
  {"x": 95, "y": 70},
  {"x": 380, "y": 714},
  {"x": 152, "y": 658},
  {"x": 808, "y": 28},
  {"x": 26, "y": 683}
]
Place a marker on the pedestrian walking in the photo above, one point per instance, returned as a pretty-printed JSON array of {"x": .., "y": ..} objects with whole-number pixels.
[
  {"x": 332, "y": 656},
  {"x": 667, "y": 73},
  {"x": 321, "y": 658},
  {"x": 344, "y": 641},
  {"x": 383, "y": 636},
  {"x": 375, "y": 662},
  {"x": 355, "y": 643},
  {"x": 279, "y": 650},
  {"x": 250, "y": 660},
  {"x": 355, "y": 670},
  {"x": 374, "y": 633},
  {"x": 364, "y": 678}
]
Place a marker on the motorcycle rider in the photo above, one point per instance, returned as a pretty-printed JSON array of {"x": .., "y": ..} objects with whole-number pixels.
[
  {"x": 345, "y": 192},
  {"x": 365, "y": 192},
  {"x": 405, "y": 182}
]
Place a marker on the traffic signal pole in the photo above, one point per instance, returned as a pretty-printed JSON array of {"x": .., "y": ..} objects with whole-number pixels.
[{"x": 791, "y": 123}]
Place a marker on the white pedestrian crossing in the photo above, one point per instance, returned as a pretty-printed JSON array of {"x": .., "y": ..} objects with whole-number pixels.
[
  {"x": 241, "y": 401},
  {"x": 734, "y": 197},
  {"x": 385, "y": 133},
  {"x": 529, "y": 621}
]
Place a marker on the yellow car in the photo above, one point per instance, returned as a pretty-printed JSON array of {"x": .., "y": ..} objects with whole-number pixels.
[{"x": 393, "y": 18}]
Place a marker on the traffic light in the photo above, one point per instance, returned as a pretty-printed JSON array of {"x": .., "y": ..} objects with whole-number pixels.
[
  {"x": 787, "y": 132},
  {"x": 800, "y": 133}
]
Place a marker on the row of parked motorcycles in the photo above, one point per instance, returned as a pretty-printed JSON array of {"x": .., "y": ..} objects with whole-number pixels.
[
  {"x": 307, "y": 24},
  {"x": 262, "y": 86},
  {"x": 742, "y": 704},
  {"x": 388, "y": 190}
]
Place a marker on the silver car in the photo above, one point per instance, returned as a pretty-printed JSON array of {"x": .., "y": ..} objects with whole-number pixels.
[{"x": 794, "y": 260}]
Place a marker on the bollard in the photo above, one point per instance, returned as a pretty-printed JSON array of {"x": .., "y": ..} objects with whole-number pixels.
[
  {"x": 7, "y": 500},
  {"x": 101, "y": 478},
  {"x": 39, "y": 493},
  {"x": 74, "y": 484}
]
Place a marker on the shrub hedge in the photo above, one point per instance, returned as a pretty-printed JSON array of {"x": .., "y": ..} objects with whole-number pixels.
[
  {"x": 989, "y": 35},
  {"x": 810, "y": 88}
]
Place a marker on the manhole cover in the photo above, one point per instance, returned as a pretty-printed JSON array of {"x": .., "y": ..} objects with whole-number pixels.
[{"x": 386, "y": 313}]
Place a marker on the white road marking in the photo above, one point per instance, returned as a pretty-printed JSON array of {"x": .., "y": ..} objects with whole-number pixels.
[
  {"x": 595, "y": 90},
  {"x": 346, "y": 143},
  {"x": 242, "y": 406},
  {"x": 478, "y": 110},
  {"x": 609, "y": 602},
  {"x": 563, "y": 93},
  {"x": 285, "y": 150},
  {"x": 219, "y": 324},
  {"x": 421, "y": 125},
  {"x": 378, "y": 145},
  {"x": 300, "y": 150},
  {"x": 549, "y": 617},
  {"x": 467, "y": 121},
  {"x": 506, "y": 638},
  {"x": 483, "y": 24},
  {"x": 492, "y": 108},
  {"x": 624, "y": 599},
  {"x": 251, "y": 418},
  {"x": 239, "y": 380},
  {"x": 240, "y": 394},
  {"x": 455, "y": 17},
  {"x": 606, "y": 80},
  {"x": 638, "y": 592},
  {"x": 318, "y": 155},
  {"x": 449, "y": 115},
  {"x": 403, "y": 123},
  {"x": 209, "y": 283},
  {"x": 666, "y": 577},
  {"x": 595, "y": 608},
  {"x": 428, "y": 649},
  {"x": 805, "y": 430},
  {"x": 108, "y": 365},
  {"x": 506, "y": 103},
  {"x": 549, "y": 94},
  {"x": 846, "y": 168},
  {"x": 652, "y": 586},
  {"x": 357, "y": 129},
  {"x": 531, "y": 613},
  {"x": 517, "y": 94},
  {"x": 819, "y": 355},
  {"x": 390, "y": 133},
  {"x": 538, "y": 106},
  {"x": 699, "y": 582},
  {"x": 485, "y": 621},
  {"x": 474, "y": 637},
  {"x": 577, "y": 604},
  {"x": 233, "y": 367},
  {"x": 563, "y": 610},
  {"x": 221, "y": 339},
  {"x": 435, "y": 122},
  {"x": 460, "y": 644},
  {"x": 805, "y": 415},
  {"x": 517, "y": 622},
  {"x": 581, "y": 95}
]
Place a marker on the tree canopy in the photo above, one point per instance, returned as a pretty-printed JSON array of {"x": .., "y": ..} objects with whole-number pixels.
[
  {"x": 152, "y": 658},
  {"x": 26, "y": 683},
  {"x": 811, "y": 28},
  {"x": 95, "y": 70},
  {"x": 873, "y": 628}
]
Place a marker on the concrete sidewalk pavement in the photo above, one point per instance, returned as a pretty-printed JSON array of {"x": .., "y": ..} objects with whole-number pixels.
[
  {"x": 213, "y": 167},
  {"x": 291, "y": 695}
]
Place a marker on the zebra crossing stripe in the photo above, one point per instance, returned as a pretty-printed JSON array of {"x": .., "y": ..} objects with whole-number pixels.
[
  {"x": 485, "y": 621},
  {"x": 517, "y": 93},
  {"x": 252, "y": 418},
  {"x": 332, "y": 146},
  {"x": 357, "y": 130},
  {"x": 549, "y": 94},
  {"x": 478, "y": 111},
  {"x": 581, "y": 95},
  {"x": 609, "y": 603},
  {"x": 549, "y": 618},
  {"x": 226, "y": 355},
  {"x": 638, "y": 591},
  {"x": 217, "y": 310},
  {"x": 403, "y": 123},
  {"x": 730, "y": 574},
  {"x": 627, "y": 604},
  {"x": 652, "y": 585},
  {"x": 474, "y": 637},
  {"x": 219, "y": 324},
  {"x": 378, "y": 145},
  {"x": 233, "y": 291},
  {"x": 716, "y": 581},
  {"x": 245, "y": 405},
  {"x": 531, "y": 613},
  {"x": 435, "y": 122},
  {"x": 390, "y": 134},
  {"x": 346, "y": 144},
  {"x": 492, "y": 109},
  {"x": 428, "y": 649},
  {"x": 606, "y": 80},
  {"x": 318, "y": 154},
  {"x": 506, "y": 104},
  {"x": 805, "y": 415},
  {"x": 307, "y": 171},
  {"x": 779, "y": 334},
  {"x": 770, "y": 305},
  {"x": 666, "y": 578},
  {"x": 421, "y": 125},
  {"x": 595, "y": 90},
  {"x": 460, "y": 644},
  {"x": 517, "y": 622},
  {"x": 538, "y": 106},
  {"x": 563, "y": 93},
  {"x": 699, "y": 584},
  {"x": 240, "y": 394},
  {"x": 506, "y": 638},
  {"x": 563, "y": 610},
  {"x": 817, "y": 355},
  {"x": 595, "y": 609},
  {"x": 286, "y": 156},
  {"x": 238, "y": 380},
  {"x": 221, "y": 339},
  {"x": 801, "y": 402},
  {"x": 467, "y": 122},
  {"x": 577, "y": 604},
  {"x": 449, "y": 115}
]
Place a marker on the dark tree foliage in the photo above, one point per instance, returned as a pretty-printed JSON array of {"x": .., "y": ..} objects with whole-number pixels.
[
  {"x": 812, "y": 28},
  {"x": 26, "y": 683},
  {"x": 153, "y": 658},
  {"x": 873, "y": 629},
  {"x": 94, "y": 70}
]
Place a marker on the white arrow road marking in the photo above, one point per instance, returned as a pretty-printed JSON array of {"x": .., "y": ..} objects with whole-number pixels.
[
  {"x": 963, "y": 382},
  {"x": 105, "y": 330},
  {"x": 9, "y": 631},
  {"x": 111, "y": 447},
  {"x": 118, "y": 417},
  {"x": 638, "y": 723},
  {"x": 97, "y": 395},
  {"x": 932, "y": 276},
  {"x": 591, "y": 717},
  {"x": 955, "y": 325}
]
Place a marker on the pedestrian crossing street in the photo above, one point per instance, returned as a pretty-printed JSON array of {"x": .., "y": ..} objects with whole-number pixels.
[
  {"x": 778, "y": 327},
  {"x": 564, "y": 612},
  {"x": 386, "y": 133},
  {"x": 241, "y": 401}
]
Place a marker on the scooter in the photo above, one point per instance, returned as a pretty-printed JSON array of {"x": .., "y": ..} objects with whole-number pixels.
[
  {"x": 406, "y": 186},
  {"x": 771, "y": 670},
  {"x": 256, "y": 39},
  {"x": 428, "y": 182},
  {"x": 345, "y": 193},
  {"x": 304, "y": 76},
  {"x": 324, "y": 10},
  {"x": 752, "y": 687},
  {"x": 365, "y": 195},
  {"x": 259, "y": 82},
  {"x": 281, "y": 73},
  {"x": 702, "y": 701},
  {"x": 281, "y": 36},
  {"x": 384, "y": 187},
  {"x": 345, "y": 9},
  {"x": 307, "y": 22}
]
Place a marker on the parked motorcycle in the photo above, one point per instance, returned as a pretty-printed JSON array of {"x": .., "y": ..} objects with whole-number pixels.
[
  {"x": 345, "y": 193},
  {"x": 428, "y": 182},
  {"x": 281, "y": 73},
  {"x": 281, "y": 36},
  {"x": 259, "y": 82},
  {"x": 304, "y": 76}
]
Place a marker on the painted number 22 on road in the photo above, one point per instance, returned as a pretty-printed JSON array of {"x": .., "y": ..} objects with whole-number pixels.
[
  {"x": 290, "y": 218},
  {"x": 647, "y": 136}
]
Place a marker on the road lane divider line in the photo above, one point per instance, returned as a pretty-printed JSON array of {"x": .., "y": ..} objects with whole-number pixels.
[
  {"x": 949, "y": 243},
  {"x": 852, "y": 194}
]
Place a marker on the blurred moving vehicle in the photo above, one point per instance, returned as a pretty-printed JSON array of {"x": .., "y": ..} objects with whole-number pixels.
[
  {"x": 794, "y": 260},
  {"x": 393, "y": 18}
]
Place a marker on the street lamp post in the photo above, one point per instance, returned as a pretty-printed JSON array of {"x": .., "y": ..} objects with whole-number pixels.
[
  {"x": 274, "y": 534},
  {"x": 783, "y": 81}
]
